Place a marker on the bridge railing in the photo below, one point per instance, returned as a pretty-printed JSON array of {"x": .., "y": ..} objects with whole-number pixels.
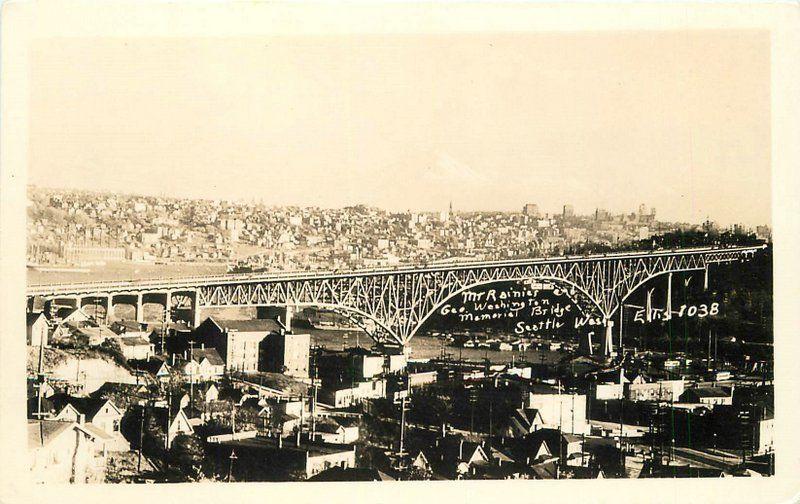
[{"x": 196, "y": 281}]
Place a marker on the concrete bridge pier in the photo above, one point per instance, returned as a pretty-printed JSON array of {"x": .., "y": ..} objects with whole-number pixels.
[
  {"x": 585, "y": 346},
  {"x": 195, "y": 295},
  {"x": 52, "y": 305},
  {"x": 109, "y": 308},
  {"x": 167, "y": 307},
  {"x": 131, "y": 299},
  {"x": 139, "y": 308},
  {"x": 608, "y": 342},
  {"x": 95, "y": 301}
]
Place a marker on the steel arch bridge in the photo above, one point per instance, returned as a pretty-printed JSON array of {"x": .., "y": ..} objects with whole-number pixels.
[{"x": 393, "y": 303}]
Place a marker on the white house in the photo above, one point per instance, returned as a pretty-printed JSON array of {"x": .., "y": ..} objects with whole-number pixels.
[
  {"x": 101, "y": 416},
  {"x": 37, "y": 329},
  {"x": 63, "y": 452},
  {"x": 337, "y": 430},
  {"x": 564, "y": 411}
]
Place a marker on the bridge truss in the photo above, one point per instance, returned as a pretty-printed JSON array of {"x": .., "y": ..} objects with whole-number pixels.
[
  {"x": 400, "y": 302},
  {"x": 393, "y": 304}
]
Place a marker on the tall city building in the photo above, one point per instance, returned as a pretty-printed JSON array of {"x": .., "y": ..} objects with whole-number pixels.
[
  {"x": 286, "y": 353},
  {"x": 569, "y": 211},
  {"x": 531, "y": 209}
]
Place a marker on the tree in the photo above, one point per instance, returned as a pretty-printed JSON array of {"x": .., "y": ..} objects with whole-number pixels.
[{"x": 187, "y": 456}]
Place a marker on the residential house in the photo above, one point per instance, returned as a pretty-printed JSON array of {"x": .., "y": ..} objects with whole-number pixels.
[
  {"x": 135, "y": 347},
  {"x": 708, "y": 396},
  {"x": 155, "y": 367},
  {"x": 37, "y": 329},
  {"x": 286, "y": 416},
  {"x": 544, "y": 445},
  {"x": 101, "y": 416},
  {"x": 663, "y": 390},
  {"x": 764, "y": 430},
  {"x": 566, "y": 411},
  {"x": 124, "y": 395},
  {"x": 210, "y": 393},
  {"x": 127, "y": 327},
  {"x": 337, "y": 430},
  {"x": 73, "y": 316},
  {"x": 278, "y": 459},
  {"x": 348, "y": 396},
  {"x": 178, "y": 421},
  {"x": 64, "y": 452},
  {"x": 455, "y": 458},
  {"x": 337, "y": 473},
  {"x": 522, "y": 422},
  {"x": 421, "y": 463},
  {"x": 203, "y": 364},
  {"x": 94, "y": 335}
]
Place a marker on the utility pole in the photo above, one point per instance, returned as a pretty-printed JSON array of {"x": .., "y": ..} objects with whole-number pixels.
[
  {"x": 403, "y": 407},
  {"x": 191, "y": 372},
  {"x": 315, "y": 384},
  {"x": 141, "y": 436},
  {"x": 232, "y": 457},
  {"x": 42, "y": 381},
  {"x": 491, "y": 401}
]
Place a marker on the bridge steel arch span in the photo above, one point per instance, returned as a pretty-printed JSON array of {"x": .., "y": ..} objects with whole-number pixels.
[
  {"x": 399, "y": 300},
  {"x": 552, "y": 280},
  {"x": 403, "y": 300}
]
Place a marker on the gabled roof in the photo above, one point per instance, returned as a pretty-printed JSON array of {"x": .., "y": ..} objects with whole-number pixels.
[
  {"x": 547, "y": 470},
  {"x": 74, "y": 314},
  {"x": 88, "y": 406},
  {"x": 710, "y": 392},
  {"x": 328, "y": 426},
  {"x": 128, "y": 389},
  {"x": 128, "y": 326},
  {"x": 99, "y": 331},
  {"x": 498, "y": 455},
  {"x": 133, "y": 341},
  {"x": 345, "y": 421},
  {"x": 246, "y": 325},
  {"x": 527, "y": 417},
  {"x": 31, "y": 318},
  {"x": 175, "y": 412},
  {"x": 421, "y": 461},
  {"x": 42, "y": 432},
  {"x": 153, "y": 365},
  {"x": 211, "y": 354},
  {"x": 452, "y": 447},
  {"x": 337, "y": 473}
]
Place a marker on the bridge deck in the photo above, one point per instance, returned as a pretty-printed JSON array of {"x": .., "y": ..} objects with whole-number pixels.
[{"x": 176, "y": 283}]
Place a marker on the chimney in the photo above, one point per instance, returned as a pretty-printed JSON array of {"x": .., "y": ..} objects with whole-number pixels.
[
  {"x": 202, "y": 346},
  {"x": 460, "y": 448},
  {"x": 173, "y": 359},
  {"x": 81, "y": 419}
]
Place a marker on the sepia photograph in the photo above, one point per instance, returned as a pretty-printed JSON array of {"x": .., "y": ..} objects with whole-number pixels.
[{"x": 382, "y": 255}]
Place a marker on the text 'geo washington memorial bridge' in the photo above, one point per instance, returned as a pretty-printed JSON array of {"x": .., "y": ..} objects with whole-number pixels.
[{"x": 392, "y": 304}]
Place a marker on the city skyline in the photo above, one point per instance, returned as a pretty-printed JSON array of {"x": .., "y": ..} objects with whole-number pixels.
[
  {"x": 447, "y": 206},
  {"x": 402, "y": 122}
]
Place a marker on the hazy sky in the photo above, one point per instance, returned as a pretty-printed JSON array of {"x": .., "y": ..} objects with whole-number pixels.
[{"x": 676, "y": 120}]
